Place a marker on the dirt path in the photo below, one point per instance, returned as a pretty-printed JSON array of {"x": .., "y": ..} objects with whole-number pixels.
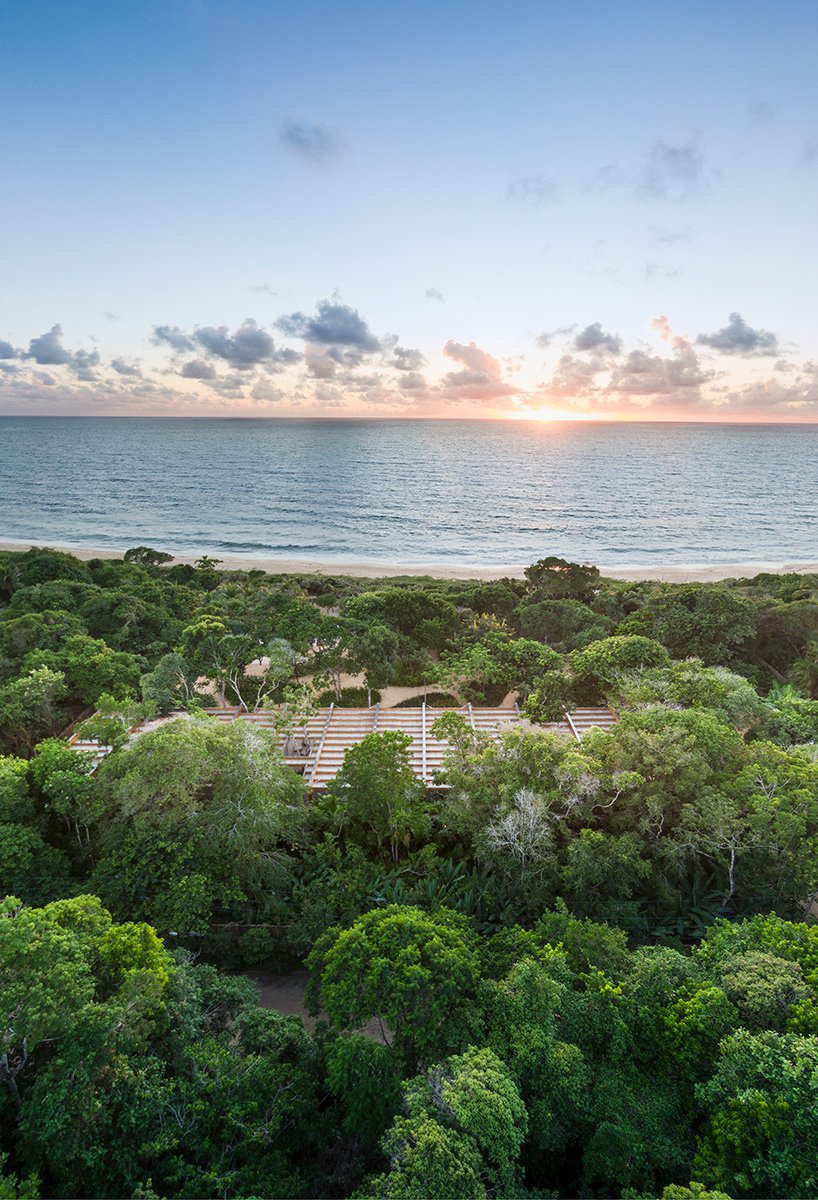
[{"x": 285, "y": 994}]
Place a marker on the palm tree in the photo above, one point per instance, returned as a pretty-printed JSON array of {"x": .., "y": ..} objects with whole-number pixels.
[{"x": 804, "y": 671}]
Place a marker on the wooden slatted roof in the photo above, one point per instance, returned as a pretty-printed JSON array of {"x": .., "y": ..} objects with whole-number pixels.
[{"x": 317, "y": 749}]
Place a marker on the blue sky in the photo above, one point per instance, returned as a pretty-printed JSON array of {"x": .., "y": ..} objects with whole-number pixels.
[{"x": 523, "y": 209}]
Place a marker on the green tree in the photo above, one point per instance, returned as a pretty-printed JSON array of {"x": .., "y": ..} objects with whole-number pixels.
[
  {"x": 196, "y": 814},
  {"x": 704, "y": 621},
  {"x": 475, "y": 1094},
  {"x": 90, "y": 668},
  {"x": 376, "y": 798},
  {"x": 761, "y": 1132},
  {"x": 147, "y": 557},
  {"x": 30, "y": 709},
  {"x": 428, "y": 1162},
  {"x": 559, "y": 579},
  {"x": 414, "y": 973}
]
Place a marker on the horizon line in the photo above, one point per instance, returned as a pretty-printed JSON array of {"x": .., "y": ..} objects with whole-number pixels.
[{"x": 515, "y": 419}]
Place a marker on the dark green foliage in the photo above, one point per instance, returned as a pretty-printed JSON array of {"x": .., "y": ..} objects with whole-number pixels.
[
  {"x": 351, "y": 697},
  {"x": 576, "y": 970},
  {"x": 705, "y": 621}
]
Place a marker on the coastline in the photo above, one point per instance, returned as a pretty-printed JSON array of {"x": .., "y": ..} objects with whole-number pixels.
[{"x": 674, "y": 573}]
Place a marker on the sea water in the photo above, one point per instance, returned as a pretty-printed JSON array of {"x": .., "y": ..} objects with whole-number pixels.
[{"x": 483, "y": 493}]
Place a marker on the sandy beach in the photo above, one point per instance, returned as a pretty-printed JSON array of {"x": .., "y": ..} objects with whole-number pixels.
[{"x": 692, "y": 573}]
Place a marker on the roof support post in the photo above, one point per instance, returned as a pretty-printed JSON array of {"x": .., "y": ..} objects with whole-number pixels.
[
  {"x": 330, "y": 711},
  {"x": 423, "y": 741},
  {"x": 572, "y": 726}
]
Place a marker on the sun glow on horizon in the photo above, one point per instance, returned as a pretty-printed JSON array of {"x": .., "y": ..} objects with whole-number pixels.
[{"x": 549, "y": 414}]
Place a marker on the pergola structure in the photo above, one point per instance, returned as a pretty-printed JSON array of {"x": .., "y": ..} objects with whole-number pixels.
[{"x": 316, "y": 750}]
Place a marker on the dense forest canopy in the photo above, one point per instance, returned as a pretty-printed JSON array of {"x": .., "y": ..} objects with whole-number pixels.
[{"x": 572, "y": 968}]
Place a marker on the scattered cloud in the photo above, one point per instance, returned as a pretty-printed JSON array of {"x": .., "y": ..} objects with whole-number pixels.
[
  {"x": 172, "y": 335},
  {"x": 669, "y": 237},
  {"x": 643, "y": 374},
  {"x": 481, "y": 379},
  {"x": 248, "y": 346},
  {"x": 122, "y": 367},
  {"x": 434, "y": 293},
  {"x": 662, "y": 327},
  {"x": 263, "y": 289},
  {"x": 672, "y": 172},
  {"x": 652, "y": 269},
  {"x": 760, "y": 111},
  {"x": 739, "y": 338},
  {"x": 48, "y": 350},
  {"x": 593, "y": 338},
  {"x": 197, "y": 368},
  {"x": 334, "y": 324},
  {"x": 336, "y": 336},
  {"x": 596, "y": 373},
  {"x": 549, "y": 336},
  {"x": 84, "y": 363},
  {"x": 318, "y": 145},
  {"x": 532, "y": 190},
  {"x": 404, "y": 359},
  {"x": 809, "y": 155}
]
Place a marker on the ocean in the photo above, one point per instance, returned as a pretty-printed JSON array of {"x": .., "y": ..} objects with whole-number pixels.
[{"x": 448, "y": 493}]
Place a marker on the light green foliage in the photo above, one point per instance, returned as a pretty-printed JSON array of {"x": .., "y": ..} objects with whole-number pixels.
[
  {"x": 54, "y": 974},
  {"x": 804, "y": 671},
  {"x": 428, "y": 1162},
  {"x": 36, "y": 631},
  {"x": 196, "y": 813},
  {"x": 245, "y": 1108},
  {"x": 695, "y": 1025},
  {"x": 689, "y": 684},
  {"x": 213, "y": 650},
  {"x": 425, "y": 618},
  {"x": 596, "y": 670},
  {"x": 462, "y": 1054},
  {"x": 41, "y": 564},
  {"x": 764, "y": 988},
  {"x": 68, "y": 794},
  {"x": 376, "y": 798},
  {"x": 374, "y": 649},
  {"x": 602, "y": 872},
  {"x": 475, "y": 1094},
  {"x": 12, "y": 1188},
  {"x": 696, "y": 1191},
  {"x": 170, "y": 685},
  {"x": 789, "y": 720},
  {"x": 587, "y": 945},
  {"x": 147, "y": 557},
  {"x": 761, "y": 1135},
  {"x": 413, "y": 972},
  {"x": 30, "y": 708},
  {"x": 484, "y": 670},
  {"x": 15, "y": 801},
  {"x": 90, "y": 668}
]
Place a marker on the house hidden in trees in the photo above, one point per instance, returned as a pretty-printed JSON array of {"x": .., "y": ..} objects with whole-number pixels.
[{"x": 317, "y": 749}]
